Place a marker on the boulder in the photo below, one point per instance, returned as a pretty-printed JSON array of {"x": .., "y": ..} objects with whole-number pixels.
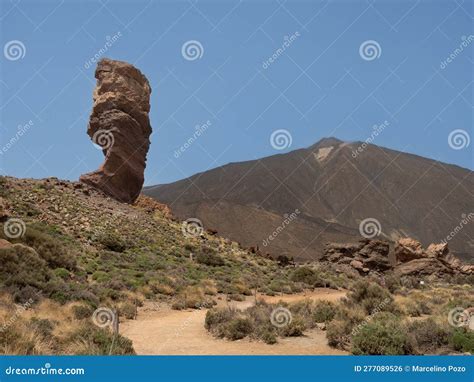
[
  {"x": 437, "y": 250},
  {"x": 5, "y": 244},
  {"x": 120, "y": 126},
  {"x": 428, "y": 266},
  {"x": 408, "y": 249}
]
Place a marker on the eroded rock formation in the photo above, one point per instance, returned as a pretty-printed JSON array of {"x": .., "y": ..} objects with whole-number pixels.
[
  {"x": 120, "y": 126},
  {"x": 409, "y": 258}
]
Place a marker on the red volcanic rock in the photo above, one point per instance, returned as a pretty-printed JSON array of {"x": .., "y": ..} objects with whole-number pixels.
[{"x": 120, "y": 125}]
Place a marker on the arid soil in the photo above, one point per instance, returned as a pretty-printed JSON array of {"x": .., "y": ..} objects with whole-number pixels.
[{"x": 160, "y": 330}]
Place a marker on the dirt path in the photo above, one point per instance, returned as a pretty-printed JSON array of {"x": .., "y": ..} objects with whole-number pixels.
[{"x": 160, "y": 330}]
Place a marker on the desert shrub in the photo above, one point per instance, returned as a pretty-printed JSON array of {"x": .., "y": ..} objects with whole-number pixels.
[
  {"x": 324, "y": 311},
  {"x": 82, "y": 312},
  {"x": 50, "y": 248},
  {"x": 238, "y": 328},
  {"x": 62, "y": 273},
  {"x": 462, "y": 339},
  {"x": 97, "y": 341},
  {"x": 112, "y": 241},
  {"x": 385, "y": 335},
  {"x": 21, "y": 267},
  {"x": 345, "y": 323},
  {"x": 295, "y": 328},
  {"x": 416, "y": 308},
  {"x": 215, "y": 317},
  {"x": 211, "y": 259},
  {"x": 42, "y": 326},
  {"x": 128, "y": 310},
  {"x": 235, "y": 297},
  {"x": 392, "y": 283},
  {"x": 305, "y": 275},
  {"x": 267, "y": 335},
  {"x": 161, "y": 288},
  {"x": 427, "y": 336},
  {"x": 372, "y": 297},
  {"x": 192, "y": 297},
  {"x": 338, "y": 333}
]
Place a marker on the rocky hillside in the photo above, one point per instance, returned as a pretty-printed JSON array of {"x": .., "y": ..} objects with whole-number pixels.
[
  {"x": 331, "y": 188},
  {"x": 67, "y": 249}
]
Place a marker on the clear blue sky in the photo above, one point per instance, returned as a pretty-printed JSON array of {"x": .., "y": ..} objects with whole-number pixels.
[{"x": 319, "y": 86}]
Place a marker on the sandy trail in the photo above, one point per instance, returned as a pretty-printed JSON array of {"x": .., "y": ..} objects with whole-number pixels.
[{"x": 165, "y": 331}]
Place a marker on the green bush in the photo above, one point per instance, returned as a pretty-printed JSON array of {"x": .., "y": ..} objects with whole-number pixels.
[
  {"x": 384, "y": 335},
  {"x": 324, "y": 311},
  {"x": 113, "y": 241},
  {"x": 305, "y": 275},
  {"x": 82, "y": 312},
  {"x": 238, "y": 328},
  {"x": 462, "y": 339},
  {"x": 372, "y": 297},
  {"x": 211, "y": 259},
  {"x": 50, "y": 249},
  {"x": 101, "y": 341},
  {"x": 427, "y": 336},
  {"x": 338, "y": 333}
]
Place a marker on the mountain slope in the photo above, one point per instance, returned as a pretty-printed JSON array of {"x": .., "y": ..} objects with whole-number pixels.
[{"x": 330, "y": 191}]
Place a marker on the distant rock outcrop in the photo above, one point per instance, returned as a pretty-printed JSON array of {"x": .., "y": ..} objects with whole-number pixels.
[
  {"x": 120, "y": 125},
  {"x": 372, "y": 256},
  {"x": 364, "y": 256}
]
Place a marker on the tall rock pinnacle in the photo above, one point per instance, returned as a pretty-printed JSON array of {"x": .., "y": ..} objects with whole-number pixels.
[{"x": 120, "y": 126}]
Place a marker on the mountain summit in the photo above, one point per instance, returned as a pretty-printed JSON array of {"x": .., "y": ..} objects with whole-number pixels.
[{"x": 294, "y": 203}]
